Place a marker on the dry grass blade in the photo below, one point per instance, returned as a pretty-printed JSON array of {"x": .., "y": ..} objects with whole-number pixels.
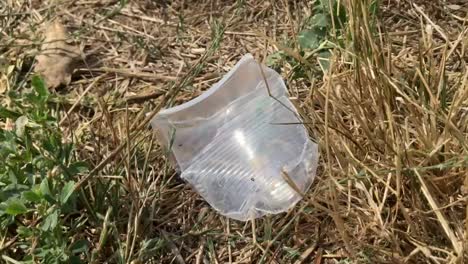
[
  {"x": 442, "y": 219},
  {"x": 178, "y": 257},
  {"x": 306, "y": 254}
]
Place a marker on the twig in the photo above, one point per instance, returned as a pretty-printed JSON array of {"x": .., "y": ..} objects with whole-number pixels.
[
  {"x": 129, "y": 73},
  {"x": 143, "y": 97}
]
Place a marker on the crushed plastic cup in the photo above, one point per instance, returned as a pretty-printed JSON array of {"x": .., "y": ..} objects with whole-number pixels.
[{"x": 234, "y": 142}]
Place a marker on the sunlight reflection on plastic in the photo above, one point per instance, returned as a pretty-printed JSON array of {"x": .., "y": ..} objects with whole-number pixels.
[{"x": 233, "y": 142}]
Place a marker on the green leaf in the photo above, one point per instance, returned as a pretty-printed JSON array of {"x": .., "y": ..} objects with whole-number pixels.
[
  {"x": 15, "y": 207},
  {"x": 77, "y": 167},
  {"x": 5, "y": 113},
  {"x": 45, "y": 190},
  {"x": 67, "y": 191},
  {"x": 337, "y": 12},
  {"x": 24, "y": 231},
  {"x": 50, "y": 222},
  {"x": 31, "y": 196},
  {"x": 274, "y": 59},
  {"x": 320, "y": 20},
  {"x": 40, "y": 87},
  {"x": 12, "y": 177},
  {"x": 311, "y": 38},
  {"x": 79, "y": 246}
]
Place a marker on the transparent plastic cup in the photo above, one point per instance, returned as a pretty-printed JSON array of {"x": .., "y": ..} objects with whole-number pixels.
[{"x": 233, "y": 142}]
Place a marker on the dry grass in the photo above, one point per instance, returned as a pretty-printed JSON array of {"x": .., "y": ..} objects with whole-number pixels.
[{"x": 390, "y": 116}]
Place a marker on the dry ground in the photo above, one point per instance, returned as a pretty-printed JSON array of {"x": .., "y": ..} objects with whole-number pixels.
[{"x": 390, "y": 116}]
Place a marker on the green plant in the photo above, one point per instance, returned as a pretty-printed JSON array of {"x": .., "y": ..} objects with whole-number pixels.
[
  {"x": 319, "y": 34},
  {"x": 327, "y": 20},
  {"x": 328, "y": 17},
  {"x": 37, "y": 168}
]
